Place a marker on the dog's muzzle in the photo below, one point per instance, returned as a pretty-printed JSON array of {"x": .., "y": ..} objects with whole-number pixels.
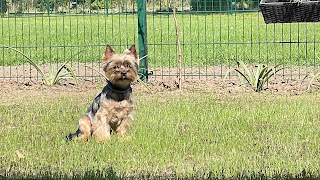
[{"x": 123, "y": 75}]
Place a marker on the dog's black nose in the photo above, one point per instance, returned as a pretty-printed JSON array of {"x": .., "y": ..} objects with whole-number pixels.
[{"x": 123, "y": 73}]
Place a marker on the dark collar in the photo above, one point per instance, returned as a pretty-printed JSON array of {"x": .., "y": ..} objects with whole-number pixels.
[{"x": 119, "y": 90}]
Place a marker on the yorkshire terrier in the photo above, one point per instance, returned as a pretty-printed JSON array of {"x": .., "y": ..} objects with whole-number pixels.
[{"x": 112, "y": 109}]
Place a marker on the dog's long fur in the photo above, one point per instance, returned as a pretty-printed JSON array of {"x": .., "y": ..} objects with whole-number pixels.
[{"x": 112, "y": 109}]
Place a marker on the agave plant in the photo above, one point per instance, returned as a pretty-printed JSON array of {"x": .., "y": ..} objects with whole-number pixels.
[
  {"x": 258, "y": 79},
  {"x": 53, "y": 77}
]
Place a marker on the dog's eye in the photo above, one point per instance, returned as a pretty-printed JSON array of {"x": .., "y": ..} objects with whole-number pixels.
[
  {"x": 116, "y": 67},
  {"x": 128, "y": 66}
]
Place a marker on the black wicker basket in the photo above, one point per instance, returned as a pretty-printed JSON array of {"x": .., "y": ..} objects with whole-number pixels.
[{"x": 288, "y": 11}]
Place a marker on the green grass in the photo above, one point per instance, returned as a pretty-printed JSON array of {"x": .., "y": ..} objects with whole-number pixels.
[
  {"x": 207, "y": 39},
  {"x": 189, "y": 135}
]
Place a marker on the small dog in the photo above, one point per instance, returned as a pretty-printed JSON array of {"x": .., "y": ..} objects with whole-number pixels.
[{"x": 112, "y": 109}]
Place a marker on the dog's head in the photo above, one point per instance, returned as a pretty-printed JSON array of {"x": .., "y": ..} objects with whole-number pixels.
[{"x": 120, "y": 69}]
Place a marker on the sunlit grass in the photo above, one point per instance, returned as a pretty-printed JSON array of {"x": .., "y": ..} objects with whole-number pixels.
[{"x": 185, "y": 135}]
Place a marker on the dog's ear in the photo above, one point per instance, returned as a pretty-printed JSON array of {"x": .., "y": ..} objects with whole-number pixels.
[
  {"x": 132, "y": 51},
  {"x": 107, "y": 54}
]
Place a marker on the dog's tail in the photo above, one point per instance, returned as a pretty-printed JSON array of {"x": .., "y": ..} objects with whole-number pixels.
[{"x": 72, "y": 136}]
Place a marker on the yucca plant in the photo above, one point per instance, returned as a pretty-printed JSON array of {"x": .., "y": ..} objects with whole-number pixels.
[
  {"x": 53, "y": 77},
  {"x": 314, "y": 77},
  {"x": 256, "y": 79}
]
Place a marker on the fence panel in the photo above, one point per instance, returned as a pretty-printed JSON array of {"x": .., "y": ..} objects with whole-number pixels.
[
  {"x": 214, "y": 35},
  {"x": 52, "y": 34}
]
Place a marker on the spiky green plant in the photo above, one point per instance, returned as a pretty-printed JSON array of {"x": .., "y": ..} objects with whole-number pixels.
[
  {"x": 314, "y": 77},
  {"x": 256, "y": 79},
  {"x": 53, "y": 77}
]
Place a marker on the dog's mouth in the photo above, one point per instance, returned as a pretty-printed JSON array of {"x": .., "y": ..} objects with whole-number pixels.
[{"x": 123, "y": 79}]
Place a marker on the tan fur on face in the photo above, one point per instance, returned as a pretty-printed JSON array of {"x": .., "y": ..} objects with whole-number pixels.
[{"x": 115, "y": 64}]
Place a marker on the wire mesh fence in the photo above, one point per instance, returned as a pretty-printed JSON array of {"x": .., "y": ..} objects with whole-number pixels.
[{"x": 214, "y": 35}]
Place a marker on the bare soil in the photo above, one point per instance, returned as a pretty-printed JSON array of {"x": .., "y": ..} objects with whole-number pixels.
[
  {"x": 34, "y": 88},
  {"x": 12, "y": 89}
]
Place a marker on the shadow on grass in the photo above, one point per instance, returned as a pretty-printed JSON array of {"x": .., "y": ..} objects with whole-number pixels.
[{"x": 111, "y": 174}]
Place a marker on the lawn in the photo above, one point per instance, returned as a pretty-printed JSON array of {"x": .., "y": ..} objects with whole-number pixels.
[
  {"x": 207, "y": 39},
  {"x": 188, "y": 135}
]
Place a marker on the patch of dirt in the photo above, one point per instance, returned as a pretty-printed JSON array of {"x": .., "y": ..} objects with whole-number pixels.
[
  {"x": 230, "y": 86},
  {"x": 25, "y": 85},
  {"x": 11, "y": 89}
]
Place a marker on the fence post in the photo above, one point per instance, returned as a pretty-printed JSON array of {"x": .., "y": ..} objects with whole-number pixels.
[
  {"x": 106, "y": 7},
  {"x": 230, "y": 6},
  {"x": 48, "y": 6},
  {"x": 142, "y": 38}
]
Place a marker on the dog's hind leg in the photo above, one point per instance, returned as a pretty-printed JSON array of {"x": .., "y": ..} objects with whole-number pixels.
[{"x": 84, "y": 130}]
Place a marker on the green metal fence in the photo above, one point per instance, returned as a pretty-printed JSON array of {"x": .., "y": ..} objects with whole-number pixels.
[{"x": 214, "y": 35}]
